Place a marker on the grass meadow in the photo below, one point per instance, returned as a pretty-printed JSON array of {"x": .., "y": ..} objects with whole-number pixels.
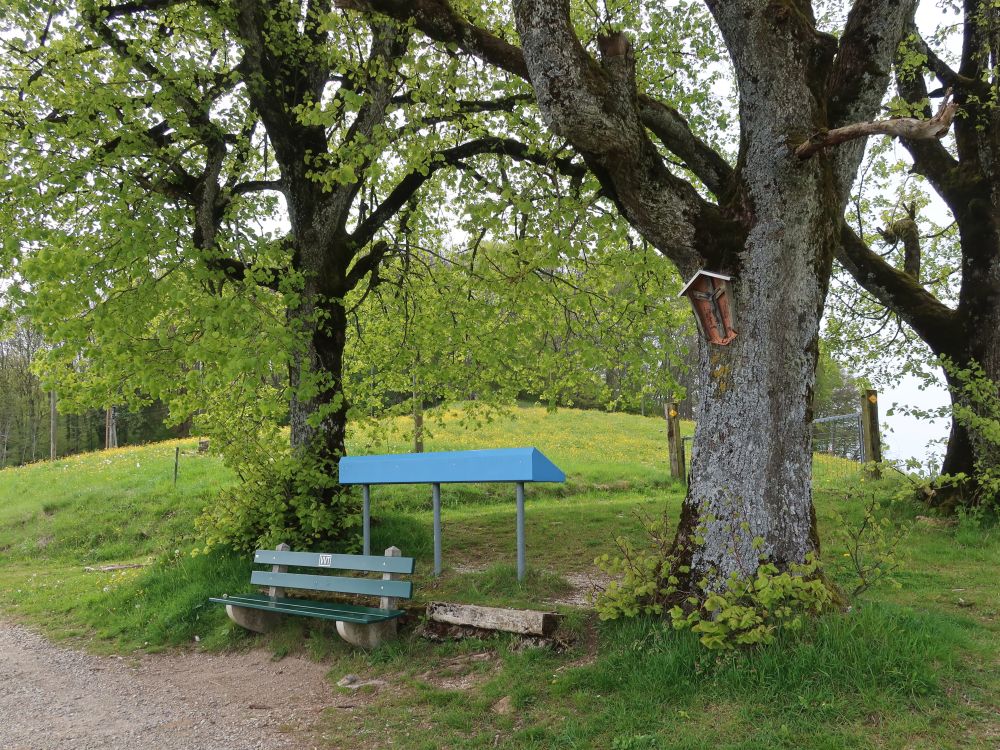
[{"x": 911, "y": 667}]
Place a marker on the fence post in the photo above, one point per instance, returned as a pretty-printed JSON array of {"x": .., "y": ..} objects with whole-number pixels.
[
  {"x": 674, "y": 441},
  {"x": 870, "y": 432},
  {"x": 53, "y": 427}
]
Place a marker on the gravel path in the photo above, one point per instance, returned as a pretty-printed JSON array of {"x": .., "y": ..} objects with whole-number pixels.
[{"x": 53, "y": 698}]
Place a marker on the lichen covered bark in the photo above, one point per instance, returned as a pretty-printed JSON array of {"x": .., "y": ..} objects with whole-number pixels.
[{"x": 775, "y": 232}]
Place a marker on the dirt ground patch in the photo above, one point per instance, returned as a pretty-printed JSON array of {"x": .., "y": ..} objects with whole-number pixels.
[{"x": 53, "y": 697}]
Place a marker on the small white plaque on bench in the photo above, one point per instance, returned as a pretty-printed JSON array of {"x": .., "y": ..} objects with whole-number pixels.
[{"x": 326, "y": 561}]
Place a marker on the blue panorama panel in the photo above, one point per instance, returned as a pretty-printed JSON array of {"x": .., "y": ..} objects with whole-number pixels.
[{"x": 495, "y": 465}]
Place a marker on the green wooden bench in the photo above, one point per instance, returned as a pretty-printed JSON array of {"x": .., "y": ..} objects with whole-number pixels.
[{"x": 363, "y": 626}]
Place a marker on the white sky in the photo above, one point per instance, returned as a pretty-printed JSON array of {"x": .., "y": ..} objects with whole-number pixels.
[{"x": 905, "y": 437}]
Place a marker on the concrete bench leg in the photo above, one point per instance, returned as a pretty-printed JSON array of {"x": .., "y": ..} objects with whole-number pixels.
[
  {"x": 367, "y": 636},
  {"x": 256, "y": 620},
  {"x": 376, "y": 633}
]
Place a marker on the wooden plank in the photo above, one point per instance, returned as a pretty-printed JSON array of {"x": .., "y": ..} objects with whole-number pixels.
[
  {"x": 367, "y": 563},
  {"x": 388, "y": 602},
  {"x": 336, "y": 584},
  {"x": 304, "y": 607},
  {"x": 523, "y": 621},
  {"x": 276, "y": 591}
]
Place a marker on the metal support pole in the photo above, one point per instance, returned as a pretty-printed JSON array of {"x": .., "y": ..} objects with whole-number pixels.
[
  {"x": 437, "y": 528},
  {"x": 366, "y": 519},
  {"x": 520, "y": 532}
]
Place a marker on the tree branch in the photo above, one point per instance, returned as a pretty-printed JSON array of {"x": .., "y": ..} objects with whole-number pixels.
[
  {"x": 145, "y": 6},
  {"x": 595, "y": 107},
  {"x": 906, "y": 128},
  {"x": 412, "y": 182},
  {"x": 941, "y": 69},
  {"x": 673, "y": 131},
  {"x": 256, "y": 186},
  {"x": 899, "y": 291},
  {"x": 237, "y": 270},
  {"x": 861, "y": 71},
  {"x": 197, "y": 114},
  {"x": 905, "y": 230},
  {"x": 367, "y": 264},
  {"x": 387, "y": 47},
  {"x": 930, "y": 157},
  {"x": 440, "y": 22},
  {"x": 469, "y": 106}
]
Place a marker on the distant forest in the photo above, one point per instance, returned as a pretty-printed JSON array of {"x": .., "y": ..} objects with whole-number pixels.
[{"x": 26, "y": 418}]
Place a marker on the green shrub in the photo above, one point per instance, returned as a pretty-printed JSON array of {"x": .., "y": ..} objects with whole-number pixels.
[
  {"x": 284, "y": 497},
  {"x": 747, "y": 611},
  {"x": 870, "y": 547}
]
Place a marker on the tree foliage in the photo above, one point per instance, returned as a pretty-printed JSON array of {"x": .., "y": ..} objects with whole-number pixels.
[
  {"x": 925, "y": 238},
  {"x": 248, "y": 211}
]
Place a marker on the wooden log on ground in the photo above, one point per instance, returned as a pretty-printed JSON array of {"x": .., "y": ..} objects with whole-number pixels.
[
  {"x": 109, "y": 568},
  {"x": 521, "y": 621}
]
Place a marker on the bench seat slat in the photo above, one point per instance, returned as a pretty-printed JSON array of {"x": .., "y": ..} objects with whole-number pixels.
[
  {"x": 322, "y": 610},
  {"x": 367, "y": 563},
  {"x": 336, "y": 584}
]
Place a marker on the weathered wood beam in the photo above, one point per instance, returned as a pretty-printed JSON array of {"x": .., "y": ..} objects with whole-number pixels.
[{"x": 522, "y": 621}]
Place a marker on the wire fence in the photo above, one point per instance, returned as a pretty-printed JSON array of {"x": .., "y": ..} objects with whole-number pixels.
[
  {"x": 838, "y": 448},
  {"x": 839, "y": 435}
]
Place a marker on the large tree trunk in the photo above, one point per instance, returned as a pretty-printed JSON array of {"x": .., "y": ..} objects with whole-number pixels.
[
  {"x": 318, "y": 405},
  {"x": 775, "y": 230},
  {"x": 751, "y": 466},
  {"x": 967, "y": 179},
  {"x": 978, "y": 317},
  {"x": 752, "y": 460}
]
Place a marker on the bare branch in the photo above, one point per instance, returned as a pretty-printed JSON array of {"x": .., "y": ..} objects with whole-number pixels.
[
  {"x": 907, "y": 128},
  {"x": 898, "y": 291}
]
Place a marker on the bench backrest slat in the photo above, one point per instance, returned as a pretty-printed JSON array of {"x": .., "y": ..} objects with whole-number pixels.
[
  {"x": 367, "y": 563},
  {"x": 338, "y": 584}
]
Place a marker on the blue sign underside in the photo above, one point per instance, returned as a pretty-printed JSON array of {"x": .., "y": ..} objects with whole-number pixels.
[{"x": 446, "y": 467}]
